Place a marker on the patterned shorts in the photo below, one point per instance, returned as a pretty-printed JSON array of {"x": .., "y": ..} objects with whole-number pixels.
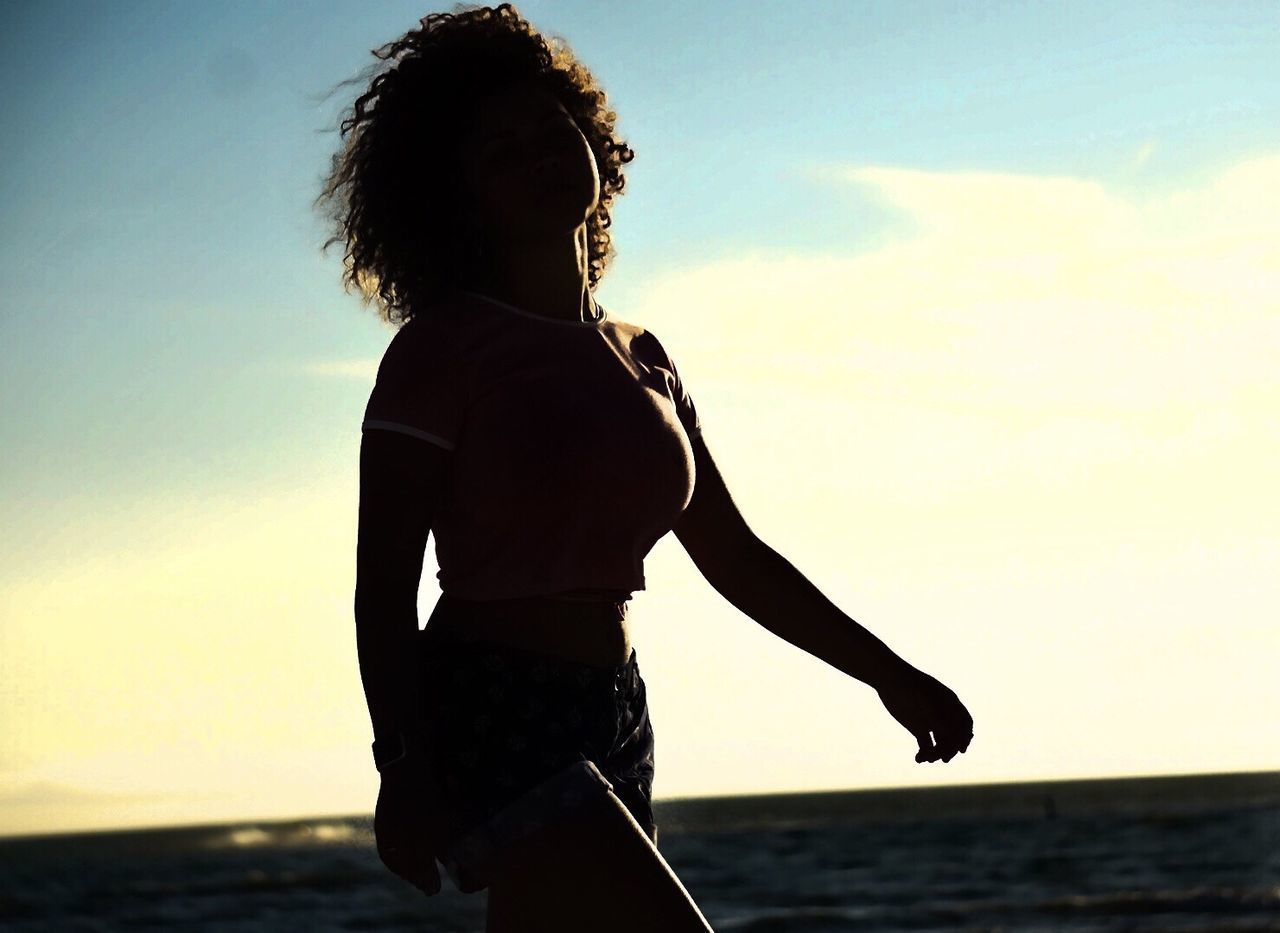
[{"x": 517, "y": 737}]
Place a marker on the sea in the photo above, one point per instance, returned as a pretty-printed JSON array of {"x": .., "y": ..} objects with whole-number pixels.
[{"x": 1178, "y": 853}]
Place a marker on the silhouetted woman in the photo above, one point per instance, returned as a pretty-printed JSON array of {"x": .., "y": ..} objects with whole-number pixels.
[{"x": 548, "y": 445}]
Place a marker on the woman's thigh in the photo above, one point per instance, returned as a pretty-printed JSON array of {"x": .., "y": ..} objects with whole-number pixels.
[{"x": 594, "y": 869}]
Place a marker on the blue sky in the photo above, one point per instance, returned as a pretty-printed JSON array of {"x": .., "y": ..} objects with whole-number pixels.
[{"x": 177, "y": 353}]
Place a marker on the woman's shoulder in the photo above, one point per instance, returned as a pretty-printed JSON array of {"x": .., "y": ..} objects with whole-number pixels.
[
  {"x": 435, "y": 335},
  {"x": 446, "y": 319},
  {"x": 439, "y": 311},
  {"x": 642, "y": 341}
]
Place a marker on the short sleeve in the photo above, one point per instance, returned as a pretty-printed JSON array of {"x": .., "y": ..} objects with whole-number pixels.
[
  {"x": 685, "y": 409},
  {"x": 419, "y": 388}
]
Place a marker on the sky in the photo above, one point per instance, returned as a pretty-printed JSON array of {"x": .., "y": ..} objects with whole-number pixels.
[{"x": 979, "y": 304}]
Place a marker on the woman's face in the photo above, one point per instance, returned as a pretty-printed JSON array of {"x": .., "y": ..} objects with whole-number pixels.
[{"x": 526, "y": 165}]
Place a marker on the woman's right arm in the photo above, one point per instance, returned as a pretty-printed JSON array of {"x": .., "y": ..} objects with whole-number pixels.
[{"x": 401, "y": 482}]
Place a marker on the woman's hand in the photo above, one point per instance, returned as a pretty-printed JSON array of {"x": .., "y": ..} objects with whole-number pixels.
[
  {"x": 924, "y": 705},
  {"x": 408, "y": 825}
]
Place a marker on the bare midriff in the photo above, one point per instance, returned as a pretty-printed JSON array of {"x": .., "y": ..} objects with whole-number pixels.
[{"x": 587, "y": 631}]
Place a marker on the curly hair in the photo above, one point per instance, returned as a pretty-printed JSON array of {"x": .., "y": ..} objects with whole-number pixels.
[{"x": 392, "y": 189}]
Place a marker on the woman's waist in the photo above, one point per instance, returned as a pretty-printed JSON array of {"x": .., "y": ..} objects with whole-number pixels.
[{"x": 588, "y": 630}]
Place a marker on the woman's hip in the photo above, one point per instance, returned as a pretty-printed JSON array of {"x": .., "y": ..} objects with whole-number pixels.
[{"x": 501, "y": 720}]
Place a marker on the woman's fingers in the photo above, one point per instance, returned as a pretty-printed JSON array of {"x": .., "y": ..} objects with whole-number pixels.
[
  {"x": 941, "y": 750},
  {"x": 928, "y": 751},
  {"x": 954, "y": 741},
  {"x": 411, "y": 861},
  {"x": 945, "y": 743},
  {"x": 404, "y": 838},
  {"x": 932, "y": 713}
]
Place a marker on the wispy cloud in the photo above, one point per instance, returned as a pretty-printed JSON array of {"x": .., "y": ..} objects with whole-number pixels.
[
  {"x": 1145, "y": 151},
  {"x": 53, "y": 793}
]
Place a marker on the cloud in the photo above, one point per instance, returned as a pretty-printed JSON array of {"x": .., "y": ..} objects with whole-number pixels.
[
  {"x": 1008, "y": 290},
  {"x": 52, "y": 793},
  {"x": 1144, "y": 153}
]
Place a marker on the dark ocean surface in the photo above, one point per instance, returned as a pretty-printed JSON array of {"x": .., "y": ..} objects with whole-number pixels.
[{"x": 1184, "y": 853}]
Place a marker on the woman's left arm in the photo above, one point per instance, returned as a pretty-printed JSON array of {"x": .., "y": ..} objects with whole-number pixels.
[{"x": 769, "y": 589}]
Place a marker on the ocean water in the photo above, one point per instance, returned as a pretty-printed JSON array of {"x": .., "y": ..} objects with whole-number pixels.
[{"x": 1186, "y": 853}]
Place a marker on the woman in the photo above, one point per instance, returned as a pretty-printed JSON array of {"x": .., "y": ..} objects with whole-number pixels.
[{"x": 548, "y": 445}]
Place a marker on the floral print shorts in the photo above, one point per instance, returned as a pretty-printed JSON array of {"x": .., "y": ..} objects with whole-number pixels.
[{"x": 516, "y": 737}]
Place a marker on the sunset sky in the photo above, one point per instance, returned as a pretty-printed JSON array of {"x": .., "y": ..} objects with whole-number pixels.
[{"x": 979, "y": 304}]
